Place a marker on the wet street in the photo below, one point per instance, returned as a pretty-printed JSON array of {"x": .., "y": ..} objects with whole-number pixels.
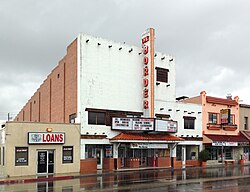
[{"x": 212, "y": 179}]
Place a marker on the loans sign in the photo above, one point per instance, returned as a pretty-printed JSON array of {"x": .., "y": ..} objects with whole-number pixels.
[{"x": 45, "y": 138}]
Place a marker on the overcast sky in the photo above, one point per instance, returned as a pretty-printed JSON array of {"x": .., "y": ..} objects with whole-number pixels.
[{"x": 208, "y": 38}]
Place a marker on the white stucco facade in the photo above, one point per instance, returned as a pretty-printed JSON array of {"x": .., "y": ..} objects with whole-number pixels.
[{"x": 110, "y": 77}]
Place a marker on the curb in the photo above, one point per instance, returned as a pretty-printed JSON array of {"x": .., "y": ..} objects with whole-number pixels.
[{"x": 32, "y": 180}]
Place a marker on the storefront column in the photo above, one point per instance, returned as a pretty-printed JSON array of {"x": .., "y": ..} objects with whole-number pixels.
[
  {"x": 82, "y": 151},
  {"x": 173, "y": 154},
  {"x": 117, "y": 161},
  {"x": 173, "y": 150},
  {"x": 115, "y": 150},
  {"x": 183, "y": 156}
]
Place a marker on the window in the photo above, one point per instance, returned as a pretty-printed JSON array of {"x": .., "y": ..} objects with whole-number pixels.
[
  {"x": 3, "y": 155},
  {"x": 162, "y": 75},
  {"x": 67, "y": 154},
  {"x": 192, "y": 152},
  {"x": 245, "y": 123},
  {"x": 72, "y": 118},
  {"x": 231, "y": 119},
  {"x": 90, "y": 151},
  {"x": 96, "y": 118},
  {"x": 212, "y": 118},
  {"x": 21, "y": 156},
  {"x": 189, "y": 122},
  {"x": 179, "y": 152}
]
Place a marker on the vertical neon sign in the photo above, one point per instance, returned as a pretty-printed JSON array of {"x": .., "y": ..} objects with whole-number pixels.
[{"x": 148, "y": 74}]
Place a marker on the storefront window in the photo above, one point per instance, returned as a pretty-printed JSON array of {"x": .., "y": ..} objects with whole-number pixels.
[
  {"x": 192, "y": 152},
  {"x": 21, "y": 156},
  {"x": 214, "y": 153},
  {"x": 3, "y": 156},
  {"x": 228, "y": 153},
  {"x": 90, "y": 151},
  {"x": 67, "y": 154},
  {"x": 108, "y": 151},
  {"x": 178, "y": 152}
]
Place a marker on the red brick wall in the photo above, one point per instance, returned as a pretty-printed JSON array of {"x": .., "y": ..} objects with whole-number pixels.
[
  {"x": 176, "y": 164},
  {"x": 56, "y": 98},
  {"x": 71, "y": 81},
  {"x": 45, "y": 101},
  {"x": 108, "y": 164},
  {"x": 163, "y": 162},
  {"x": 88, "y": 165},
  {"x": 195, "y": 163}
]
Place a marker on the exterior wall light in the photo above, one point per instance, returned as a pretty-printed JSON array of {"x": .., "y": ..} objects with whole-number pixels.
[{"x": 49, "y": 129}]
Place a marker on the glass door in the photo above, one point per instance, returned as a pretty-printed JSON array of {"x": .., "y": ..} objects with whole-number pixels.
[
  {"x": 99, "y": 154},
  {"x": 42, "y": 162},
  {"x": 45, "y": 162},
  {"x": 51, "y": 161}
]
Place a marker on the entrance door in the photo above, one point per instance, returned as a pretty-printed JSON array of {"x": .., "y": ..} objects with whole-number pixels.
[
  {"x": 45, "y": 162},
  {"x": 121, "y": 154},
  {"x": 99, "y": 154}
]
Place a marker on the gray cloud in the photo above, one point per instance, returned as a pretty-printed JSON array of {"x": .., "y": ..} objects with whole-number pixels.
[{"x": 208, "y": 38}]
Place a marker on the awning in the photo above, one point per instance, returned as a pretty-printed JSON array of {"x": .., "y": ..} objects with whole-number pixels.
[
  {"x": 225, "y": 140},
  {"x": 145, "y": 138},
  {"x": 246, "y": 134}
]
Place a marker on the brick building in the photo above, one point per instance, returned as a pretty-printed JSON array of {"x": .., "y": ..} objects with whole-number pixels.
[{"x": 124, "y": 99}]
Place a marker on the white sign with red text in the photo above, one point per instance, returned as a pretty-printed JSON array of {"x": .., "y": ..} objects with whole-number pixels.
[
  {"x": 148, "y": 74},
  {"x": 46, "y": 138}
]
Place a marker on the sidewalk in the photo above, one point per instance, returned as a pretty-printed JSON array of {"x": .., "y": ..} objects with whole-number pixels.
[{"x": 56, "y": 177}]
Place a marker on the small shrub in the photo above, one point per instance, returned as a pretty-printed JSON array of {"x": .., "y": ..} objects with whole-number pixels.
[{"x": 204, "y": 155}]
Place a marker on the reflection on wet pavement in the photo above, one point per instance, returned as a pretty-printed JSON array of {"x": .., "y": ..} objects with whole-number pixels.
[{"x": 212, "y": 179}]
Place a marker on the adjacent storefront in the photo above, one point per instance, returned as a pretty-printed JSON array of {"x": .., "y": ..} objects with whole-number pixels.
[
  {"x": 39, "y": 149},
  {"x": 226, "y": 147}
]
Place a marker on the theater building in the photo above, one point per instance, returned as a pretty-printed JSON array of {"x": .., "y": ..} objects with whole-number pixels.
[
  {"x": 28, "y": 148},
  {"x": 124, "y": 99}
]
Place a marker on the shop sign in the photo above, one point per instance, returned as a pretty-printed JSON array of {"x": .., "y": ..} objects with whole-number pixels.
[
  {"x": 243, "y": 143},
  {"x": 108, "y": 151},
  {"x": 225, "y": 116},
  {"x": 148, "y": 146},
  {"x": 46, "y": 138},
  {"x": 166, "y": 126},
  {"x": 130, "y": 124},
  {"x": 148, "y": 74},
  {"x": 223, "y": 143},
  {"x": 122, "y": 123},
  {"x": 143, "y": 124}
]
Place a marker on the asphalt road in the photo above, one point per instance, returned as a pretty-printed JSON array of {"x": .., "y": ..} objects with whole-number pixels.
[{"x": 216, "y": 179}]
